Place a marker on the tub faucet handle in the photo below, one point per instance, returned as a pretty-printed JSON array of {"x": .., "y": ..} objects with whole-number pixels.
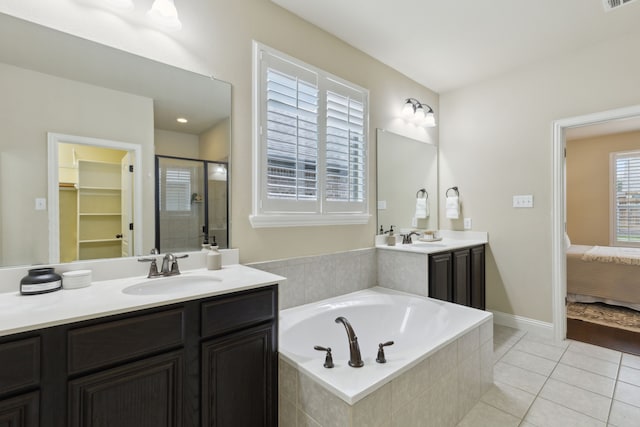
[
  {"x": 328, "y": 360},
  {"x": 381, "y": 346}
]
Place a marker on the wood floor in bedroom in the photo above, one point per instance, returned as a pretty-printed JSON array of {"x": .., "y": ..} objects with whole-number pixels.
[{"x": 604, "y": 325}]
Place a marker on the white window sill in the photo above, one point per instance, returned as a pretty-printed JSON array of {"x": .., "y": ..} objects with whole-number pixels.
[{"x": 306, "y": 220}]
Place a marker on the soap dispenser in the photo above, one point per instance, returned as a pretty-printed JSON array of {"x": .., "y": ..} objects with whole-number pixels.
[
  {"x": 214, "y": 258},
  {"x": 391, "y": 240}
]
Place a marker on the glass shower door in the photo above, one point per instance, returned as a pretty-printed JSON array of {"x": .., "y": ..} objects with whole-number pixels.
[
  {"x": 180, "y": 204},
  {"x": 217, "y": 203}
]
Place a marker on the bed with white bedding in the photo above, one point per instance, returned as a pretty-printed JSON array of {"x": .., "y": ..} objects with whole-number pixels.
[{"x": 604, "y": 274}]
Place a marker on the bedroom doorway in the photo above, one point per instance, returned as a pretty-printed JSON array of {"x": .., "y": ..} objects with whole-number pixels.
[{"x": 572, "y": 129}]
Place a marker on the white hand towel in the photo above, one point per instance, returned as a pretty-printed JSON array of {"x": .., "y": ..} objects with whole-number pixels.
[
  {"x": 453, "y": 207},
  {"x": 422, "y": 208}
]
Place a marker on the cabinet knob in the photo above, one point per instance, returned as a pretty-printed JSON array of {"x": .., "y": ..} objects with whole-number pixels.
[{"x": 119, "y": 236}]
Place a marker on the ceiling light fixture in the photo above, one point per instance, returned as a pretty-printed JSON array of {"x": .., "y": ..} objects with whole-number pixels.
[
  {"x": 165, "y": 14},
  {"x": 421, "y": 112},
  {"x": 182, "y": 120}
]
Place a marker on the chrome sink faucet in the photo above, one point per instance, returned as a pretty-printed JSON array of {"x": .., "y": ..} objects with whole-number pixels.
[
  {"x": 355, "y": 360},
  {"x": 406, "y": 238},
  {"x": 169, "y": 265}
]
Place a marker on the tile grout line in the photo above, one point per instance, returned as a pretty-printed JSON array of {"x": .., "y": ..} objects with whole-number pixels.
[
  {"x": 617, "y": 380},
  {"x": 615, "y": 387},
  {"x": 537, "y": 395}
]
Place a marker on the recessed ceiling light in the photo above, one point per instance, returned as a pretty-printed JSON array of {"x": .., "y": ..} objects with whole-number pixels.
[{"x": 181, "y": 120}]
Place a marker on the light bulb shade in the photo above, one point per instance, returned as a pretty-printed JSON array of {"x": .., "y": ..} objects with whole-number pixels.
[
  {"x": 121, "y": 4},
  {"x": 419, "y": 112},
  {"x": 430, "y": 119},
  {"x": 408, "y": 109},
  {"x": 217, "y": 173},
  {"x": 165, "y": 14}
]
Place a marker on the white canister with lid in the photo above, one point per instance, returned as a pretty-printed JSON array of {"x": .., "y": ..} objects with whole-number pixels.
[{"x": 76, "y": 279}]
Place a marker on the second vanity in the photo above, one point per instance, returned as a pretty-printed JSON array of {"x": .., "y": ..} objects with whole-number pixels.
[
  {"x": 105, "y": 356},
  {"x": 451, "y": 269}
]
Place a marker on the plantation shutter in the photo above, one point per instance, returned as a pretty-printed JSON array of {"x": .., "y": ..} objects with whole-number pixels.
[
  {"x": 310, "y": 145},
  {"x": 176, "y": 194},
  {"x": 627, "y": 198},
  {"x": 290, "y": 136},
  {"x": 345, "y": 168}
]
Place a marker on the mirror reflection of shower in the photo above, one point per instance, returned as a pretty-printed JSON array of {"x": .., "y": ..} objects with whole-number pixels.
[{"x": 191, "y": 203}]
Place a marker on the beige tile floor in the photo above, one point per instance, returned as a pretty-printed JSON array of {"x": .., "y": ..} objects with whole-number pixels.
[{"x": 543, "y": 383}]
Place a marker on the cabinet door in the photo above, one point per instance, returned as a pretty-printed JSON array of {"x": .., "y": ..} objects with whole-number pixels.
[
  {"x": 147, "y": 393},
  {"x": 21, "y": 411},
  {"x": 440, "y": 280},
  {"x": 19, "y": 365},
  {"x": 478, "y": 277},
  {"x": 238, "y": 379},
  {"x": 461, "y": 277}
]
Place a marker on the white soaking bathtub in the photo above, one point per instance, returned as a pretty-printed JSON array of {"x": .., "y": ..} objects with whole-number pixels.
[{"x": 419, "y": 327}]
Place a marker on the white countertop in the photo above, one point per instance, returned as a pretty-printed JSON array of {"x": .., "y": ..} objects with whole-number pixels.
[
  {"x": 20, "y": 313},
  {"x": 451, "y": 240}
]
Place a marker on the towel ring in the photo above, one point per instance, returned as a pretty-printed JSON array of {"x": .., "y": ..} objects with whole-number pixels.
[
  {"x": 454, "y": 189},
  {"x": 424, "y": 193}
]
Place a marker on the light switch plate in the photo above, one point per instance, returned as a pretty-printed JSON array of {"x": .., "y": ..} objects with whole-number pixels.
[
  {"x": 382, "y": 204},
  {"x": 467, "y": 224},
  {"x": 41, "y": 204},
  {"x": 523, "y": 201}
]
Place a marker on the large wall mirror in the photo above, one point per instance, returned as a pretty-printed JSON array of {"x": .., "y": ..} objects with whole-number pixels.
[
  {"x": 75, "y": 117},
  {"x": 406, "y": 166}
]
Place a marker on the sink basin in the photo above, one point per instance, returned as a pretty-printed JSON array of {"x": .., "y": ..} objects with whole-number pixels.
[{"x": 173, "y": 284}]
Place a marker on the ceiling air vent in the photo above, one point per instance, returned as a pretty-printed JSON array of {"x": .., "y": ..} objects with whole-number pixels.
[{"x": 613, "y": 4}]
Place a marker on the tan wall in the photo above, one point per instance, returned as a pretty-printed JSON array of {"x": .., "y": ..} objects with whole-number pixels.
[
  {"x": 33, "y": 104},
  {"x": 68, "y": 204},
  {"x": 214, "y": 143},
  {"x": 216, "y": 40},
  {"x": 588, "y": 184},
  {"x": 177, "y": 144},
  {"x": 496, "y": 142}
]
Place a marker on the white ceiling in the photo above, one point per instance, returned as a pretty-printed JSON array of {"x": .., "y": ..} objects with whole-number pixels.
[{"x": 447, "y": 44}]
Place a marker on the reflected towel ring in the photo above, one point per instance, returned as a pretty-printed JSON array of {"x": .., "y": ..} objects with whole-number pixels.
[
  {"x": 424, "y": 193},
  {"x": 454, "y": 189}
]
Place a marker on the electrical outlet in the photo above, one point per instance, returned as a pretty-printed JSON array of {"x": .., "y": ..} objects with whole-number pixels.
[
  {"x": 523, "y": 201},
  {"x": 382, "y": 205},
  {"x": 467, "y": 223}
]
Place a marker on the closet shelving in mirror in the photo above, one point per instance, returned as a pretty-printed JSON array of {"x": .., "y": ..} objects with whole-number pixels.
[{"x": 99, "y": 209}]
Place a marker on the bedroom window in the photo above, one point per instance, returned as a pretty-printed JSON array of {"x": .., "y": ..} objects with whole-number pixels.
[
  {"x": 625, "y": 198},
  {"x": 310, "y": 148}
]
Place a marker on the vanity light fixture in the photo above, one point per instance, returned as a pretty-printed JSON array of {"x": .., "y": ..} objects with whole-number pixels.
[
  {"x": 165, "y": 14},
  {"x": 419, "y": 111}
]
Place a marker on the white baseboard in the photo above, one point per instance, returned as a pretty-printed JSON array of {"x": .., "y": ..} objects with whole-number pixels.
[{"x": 542, "y": 329}]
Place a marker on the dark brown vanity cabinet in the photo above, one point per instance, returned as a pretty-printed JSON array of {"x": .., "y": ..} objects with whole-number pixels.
[
  {"x": 209, "y": 362},
  {"x": 459, "y": 276},
  {"x": 20, "y": 382}
]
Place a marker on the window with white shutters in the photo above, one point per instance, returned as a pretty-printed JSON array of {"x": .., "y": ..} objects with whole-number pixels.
[
  {"x": 310, "y": 145},
  {"x": 626, "y": 198},
  {"x": 175, "y": 189}
]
